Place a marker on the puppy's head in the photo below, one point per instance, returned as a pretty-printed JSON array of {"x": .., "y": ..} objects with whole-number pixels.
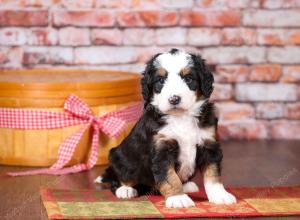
[{"x": 174, "y": 81}]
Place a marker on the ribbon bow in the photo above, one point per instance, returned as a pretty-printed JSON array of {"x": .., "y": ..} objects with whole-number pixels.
[{"x": 75, "y": 112}]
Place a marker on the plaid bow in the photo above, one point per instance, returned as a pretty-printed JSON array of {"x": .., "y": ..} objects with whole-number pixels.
[{"x": 75, "y": 112}]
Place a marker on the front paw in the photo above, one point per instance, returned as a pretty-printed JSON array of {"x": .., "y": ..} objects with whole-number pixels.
[
  {"x": 179, "y": 201},
  {"x": 218, "y": 195},
  {"x": 126, "y": 192}
]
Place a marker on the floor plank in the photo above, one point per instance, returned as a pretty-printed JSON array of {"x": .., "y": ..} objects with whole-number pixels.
[{"x": 246, "y": 163}]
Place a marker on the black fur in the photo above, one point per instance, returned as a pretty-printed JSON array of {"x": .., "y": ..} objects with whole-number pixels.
[
  {"x": 211, "y": 153},
  {"x": 173, "y": 51},
  {"x": 205, "y": 77},
  {"x": 163, "y": 158},
  {"x": 148, "y": 80},
  {"x": 207, "y": 113},
  {"x": 137, "y": 159}
]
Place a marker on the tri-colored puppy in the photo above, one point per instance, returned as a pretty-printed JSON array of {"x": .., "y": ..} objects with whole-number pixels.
[{"x": 175, "y": 136}]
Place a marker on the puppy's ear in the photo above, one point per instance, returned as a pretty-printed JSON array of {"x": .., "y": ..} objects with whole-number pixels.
[
  {"x": 147, "y": 80},
  {"x": 205, "y": 77}
]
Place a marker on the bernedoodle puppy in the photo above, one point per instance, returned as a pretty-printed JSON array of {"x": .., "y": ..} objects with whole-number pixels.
[{"x": 175, "y": 136}]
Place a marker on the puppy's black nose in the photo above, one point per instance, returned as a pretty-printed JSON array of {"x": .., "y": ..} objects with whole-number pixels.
[{"x": 174, "y": 100}]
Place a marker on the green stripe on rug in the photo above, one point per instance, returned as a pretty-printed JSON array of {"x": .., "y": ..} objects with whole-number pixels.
[{"x": 109, "y": 209}]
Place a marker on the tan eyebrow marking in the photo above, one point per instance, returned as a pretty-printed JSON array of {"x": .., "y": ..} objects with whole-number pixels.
[
  {"x": 185, "y": 71},
  {"x": 162, "y": 72}
]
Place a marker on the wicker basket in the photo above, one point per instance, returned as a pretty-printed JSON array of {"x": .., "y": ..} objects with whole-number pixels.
[{"x": 103, "y": 91}]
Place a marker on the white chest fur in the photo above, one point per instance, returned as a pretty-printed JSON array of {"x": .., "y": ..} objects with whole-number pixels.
[{"x": 185, "y": 130}]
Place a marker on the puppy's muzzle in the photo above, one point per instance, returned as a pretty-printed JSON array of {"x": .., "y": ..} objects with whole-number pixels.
[{"x": 174, "y": 100}]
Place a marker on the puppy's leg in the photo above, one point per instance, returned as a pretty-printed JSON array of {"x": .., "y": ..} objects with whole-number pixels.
[
  {"x": 172, "y": 190},
  {"x": 126, "y": 191},
  {"x": 211, "y": 170},
  {"x": 214, "y": 188},
  {"x": 166, "y": 179}
]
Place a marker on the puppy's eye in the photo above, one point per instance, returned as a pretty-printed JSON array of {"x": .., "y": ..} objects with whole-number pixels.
[
  {"x": 161, "y": 80},
  {"x": 188, "y": 79}
]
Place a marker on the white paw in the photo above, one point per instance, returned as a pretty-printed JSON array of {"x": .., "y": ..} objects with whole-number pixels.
[
  {"x": 190, "y": 187},
  {"x": 126, "y": 192},
  {"x": 218, "y": 195},
  {"x": 179, "y": 201},
  {"x": 98, "y": 179}
]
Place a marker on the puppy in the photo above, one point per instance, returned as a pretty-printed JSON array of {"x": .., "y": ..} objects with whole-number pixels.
[{"x": 175, "y": 136}]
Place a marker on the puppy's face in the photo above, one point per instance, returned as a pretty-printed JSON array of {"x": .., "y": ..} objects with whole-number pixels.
[{"x": 175, "y": 81}]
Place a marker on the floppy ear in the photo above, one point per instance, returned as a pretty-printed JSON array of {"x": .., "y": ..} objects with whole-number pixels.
[
  {"x": 147, "y": 80},
  {"x": 205, "y": 77}
]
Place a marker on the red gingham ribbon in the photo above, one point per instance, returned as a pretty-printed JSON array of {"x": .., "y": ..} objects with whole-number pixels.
[{"x": 75, "y": 112}]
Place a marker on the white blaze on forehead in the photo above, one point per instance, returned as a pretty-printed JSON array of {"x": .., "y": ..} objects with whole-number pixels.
[{"x": 173, "y": 63}]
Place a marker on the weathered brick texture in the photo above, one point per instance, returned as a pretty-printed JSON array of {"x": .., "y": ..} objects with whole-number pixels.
[{"x": 253, "y": 47}]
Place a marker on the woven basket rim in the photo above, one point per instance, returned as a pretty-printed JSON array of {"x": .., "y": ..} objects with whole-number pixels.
[
  {"x": 115, "y": 90},
  {"x": 125, "y": 79}
]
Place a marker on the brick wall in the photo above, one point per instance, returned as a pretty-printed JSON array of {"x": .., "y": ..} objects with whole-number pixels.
[{"x": 254, "y": 45}]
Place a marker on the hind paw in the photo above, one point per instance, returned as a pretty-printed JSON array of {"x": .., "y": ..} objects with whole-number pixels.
[{"x": 98, "y": 179}]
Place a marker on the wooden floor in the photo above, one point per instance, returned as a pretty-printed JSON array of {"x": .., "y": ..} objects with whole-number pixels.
[{"x": 246, "y": 163}]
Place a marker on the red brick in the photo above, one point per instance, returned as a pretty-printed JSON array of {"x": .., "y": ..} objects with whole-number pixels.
[
  {"x": 292, "y": 111},
  {"x": 279, "y": 4},
  {"x": 42, "y": 36},
  {"x": 231, "y": 73},
  {"x": 171, "y": 36},
  {"x": 144, "y": 54},
  {"x": 293, "y": 37},
  {"x": 204, "y": 36},
  {"x": 177, "y": 3},
  {"x": 265, "y": 72},
  {"x": 278, "y": 37},
  {"x": 99, "y": 55},
  {"x": 144, "y": 4},
  {"x": 39, "y": 3},
  {"x": 147, "y": 18},
  {"x": 83, "y": 18},
  {"x": 11, "y": 4},
  {"x": 268, "y": 18},
  {"x": 3, "y": 55},
  {"x": 288, "y": 54},
  {"x": 76, "y": 4},
  {"x": 138, "y": 36},
  {"x": 245, "y": 129},
  {"x": 243, "y": 3},
  {"x": 210, "y": 18},
  {"x": 265, "y": 92},
  {"x": 12, "y": 36},
  {"x": 238, "y": 36},
  {"x": 218, "y": 4},
  {"x": 71, "y": 36},
  {"x": 291, "y": 74},
  {"x": 283, "y": 129},
  {"x": 48, "y": 55},
  {"x": 271, "y": 37},
  {"x": 23, "y": 18},
  {"x": 133, "y": 67},
  {"x": 111, "y": 4},
  {"x": 11, "y": 57},
  {"x": 234, "y": 111},
  {"x": 269, "y": 110},
  {"x": 234, "y": 55},
  {"x": 222, "y": 92},
  {"x": 106, "y": 37}
]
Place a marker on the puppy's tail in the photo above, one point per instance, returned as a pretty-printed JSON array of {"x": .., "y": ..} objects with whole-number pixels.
[{"x": 109, "y": 176}]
